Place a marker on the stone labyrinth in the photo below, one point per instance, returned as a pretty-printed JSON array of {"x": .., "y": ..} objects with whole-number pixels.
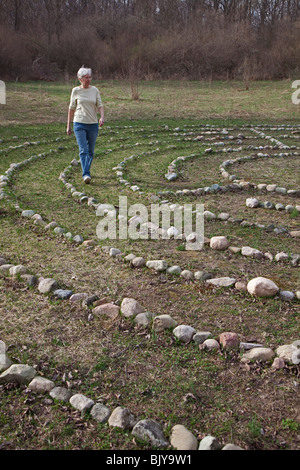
[{"x": 247, "y": 178}]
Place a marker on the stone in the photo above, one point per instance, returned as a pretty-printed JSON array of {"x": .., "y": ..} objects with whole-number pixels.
[
  {"x": 262, "y": 287},
  {"x": 122, "y": 418},
  {"x": 221, "y": 281},
  {"x": 130, "y": 307},
  {"x": 258, "y": 354},
  {"x": 286, "y": 295},
  {"x": 100, "y": 413},
  {"x": 286, "y": 352},
  {"x": 252, "y": 202},
  {"x": 63, "y": 293},
  {"x": 29, "y": 279},
  {"x": 19, "y": 269},
  {"x": 144, "y": 318},
  {"x": 20, "y": 373},
  {"x": 281, "y": 257},
  {"x": 186, "y": 274},
  {"x": 209, "y": 443},
  {"x": 296, "y": 357},
  {"x": 138, "y": 262},
  {"x": 252, "y": 252},
  {"x": 184, "y": 333},
  {"x": 295, "y": 233},
  {"x": 61, "y": 394},
  {"x": 202, "y": 275},
  {"x": 229, "y": 340},
  {"x": 78, "y": 239},
  {"x": 47, "y": 285},
  {"x": 81, "y": 402},
  {"x": 114, "y": 252},
  {"x": 150, "y": 431},
  {"x": 219, "y": 243},
  {"x": 278, "y": 363},
  {"x": 209, "y": 215},
  {"x": 182, "y": 439},
  {"x": 163, "y": 322},
  {"x": 223, "y": 216},
  {"x": 59, "y": 230},
  {"x": 231, "y": 447},
  {"x": 27, "y": 213},
  {"x": 157, "y": 265},
  {"x": 51, "y": 225},
  {"x": 78, "y": 296},
  {"x": 109, "y": 310},
  {"x": 174, "y": 270},
  {"x": 41, "y": 384},
  {"x": 241, "y": 286},
  {"x": 201, "y": 336},
  {"x": 210, "y": 344}
]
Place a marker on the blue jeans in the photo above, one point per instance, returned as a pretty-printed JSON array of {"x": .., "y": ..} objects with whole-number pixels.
[{"x": 86, "y": 136}]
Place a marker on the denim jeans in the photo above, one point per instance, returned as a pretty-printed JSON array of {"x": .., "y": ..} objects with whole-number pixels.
[{"x": 86, "y": 136}]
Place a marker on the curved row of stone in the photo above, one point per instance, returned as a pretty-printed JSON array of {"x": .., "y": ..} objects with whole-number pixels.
[
  {"x": 79, "y": 239},
  {"x": 148, "y": 430}
]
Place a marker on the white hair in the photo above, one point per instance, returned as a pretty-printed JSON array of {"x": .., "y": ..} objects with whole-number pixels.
[{"x": 84, "y": 71}]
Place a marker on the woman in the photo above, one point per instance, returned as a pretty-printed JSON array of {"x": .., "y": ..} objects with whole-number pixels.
[{"x": 84, "y": 105}]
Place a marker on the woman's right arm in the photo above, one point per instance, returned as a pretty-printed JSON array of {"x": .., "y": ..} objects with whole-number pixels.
[{"x": 70, "y": 119}]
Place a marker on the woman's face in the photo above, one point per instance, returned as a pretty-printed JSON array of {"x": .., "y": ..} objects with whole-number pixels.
[{"x": 85, "y": 81}]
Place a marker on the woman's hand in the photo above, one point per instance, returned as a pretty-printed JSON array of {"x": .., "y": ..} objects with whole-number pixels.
[
  {"x": 101, "y": 122},
  {"x": 69, "y": 130}
]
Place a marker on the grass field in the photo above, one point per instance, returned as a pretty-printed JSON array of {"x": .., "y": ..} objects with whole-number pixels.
[{"x": 115, "y": 361}]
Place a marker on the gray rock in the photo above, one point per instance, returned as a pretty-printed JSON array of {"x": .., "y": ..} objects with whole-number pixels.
[
  {"x": 138, "y": 262},
  {"x": 81, "y": 402},
  {"x": 122, "y": 418},
  {"x": 184, "y": 333},
  {"x": 144, "y": 318},
  {"x": 150, "y": 431},
  {"x": 20, "y": 373},
  {"x": 222, "y": 281},
  {"x": 47, "y": 285},
  {"x": 252, "y": 202},
  {"x": 63, "y": 293},
  {"x": 201, "y": 336},
  {"x": 262, "y": 287},
  {"x": 174, "y": 270},
  {"x": 19, "y": 269},
  {"x": 27, "y": 213},
  {"x": 182, "y": 438},
  {"x": 100, "y": 413},
  {"x": 231, "y": 447},
  {"x": 286, "y": 295},
  {"x": 163, "y": 322},
  {"x": 41, "y": 384},
  {"x": 30, "y": 280},
  {"x": 202, "y": 275},
  {"x": 61, "y": 394},
  {"x": 258, "y": 354},
  {"x": 130, "y": 307},
  {"x": 209, "y": 443},
  {"x": 78, "y": 239},
  {"x": 157, "y": 265}
]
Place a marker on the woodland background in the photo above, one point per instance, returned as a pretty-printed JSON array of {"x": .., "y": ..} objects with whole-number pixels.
[{"x": 150, "y": 39}]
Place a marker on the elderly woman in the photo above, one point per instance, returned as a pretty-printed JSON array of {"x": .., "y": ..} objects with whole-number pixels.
[{"x": 84, "y": 105}]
